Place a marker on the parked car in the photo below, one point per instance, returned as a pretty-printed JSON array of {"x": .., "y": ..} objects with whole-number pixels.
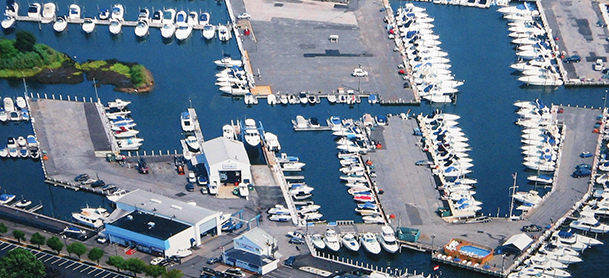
[
  {"x": 573, "y": 59},
  {"x": 582, "y": 172},
  {"x": 585, "y": 154},
  {"x": 142, "y": 166},
  {"x": 359, "y": 72},
  {"x": 101, "y": 239},
  {"x": 157, "y": 260},
  {"x": 296, "y": 240},
  {"x": 244, "y": 16},
  {"x": 532, "y": 228},
  {"x": 584, "y": 166},
  {"x": 98, "y": 183},
  {"x": 190, "y": 187},
  {"x": 214, "y": 260},
  {"x": 191, "y": 177},
  {"x": 235, "y": 272},
  {"x": 599, "y": 65},
  {"x": 81, "y": 178},
  {"x": 290, "y": 261}
]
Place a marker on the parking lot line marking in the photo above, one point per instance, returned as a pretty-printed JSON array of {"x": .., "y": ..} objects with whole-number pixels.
[
  {"x": 78, "y": 266},
  {"x": 107, "y": 274},
  {"x": 64, "y": 261},
  {"x": 101, "y": 272},
  {"x": 94, "y": 269},
  {"x": 57, "y": 259},
  {"x": 49, "y": 258},
  {"x": 7, "y": 246}
]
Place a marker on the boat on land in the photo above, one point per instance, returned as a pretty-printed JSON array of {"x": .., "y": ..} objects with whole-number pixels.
[
  {"x": 279, "y": 209},
  {"x": 370, "y": 243}
]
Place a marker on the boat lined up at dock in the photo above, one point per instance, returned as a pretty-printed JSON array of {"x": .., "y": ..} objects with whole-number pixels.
[{"x": 122, "y": 126}]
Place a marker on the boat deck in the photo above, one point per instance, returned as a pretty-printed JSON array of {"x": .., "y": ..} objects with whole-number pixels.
[{"x": 304, "y": 58}]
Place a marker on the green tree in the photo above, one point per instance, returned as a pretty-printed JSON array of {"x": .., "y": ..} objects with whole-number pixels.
[
  {"x": 154, "y": 270},
  {"x": 21, "y": 263},
  {"x": 3, "y": 228},
  {"x": 95, "y": 254},
  {"x": 174, "y": 273},
  {"x": 55, "y": 244},
  {"x": 7, "y": 49},
  {"x": 116, "y": 261},
  {"x": 77, "y": 248},
  {"x": 19, "y": 235},
  {"x": 134, "y": 264},
  {"x": 25, "y": 41},
  {"x": 38, "y": 239}
]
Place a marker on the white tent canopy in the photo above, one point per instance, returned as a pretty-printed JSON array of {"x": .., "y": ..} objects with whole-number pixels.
[{"x": 520, "y": 241}]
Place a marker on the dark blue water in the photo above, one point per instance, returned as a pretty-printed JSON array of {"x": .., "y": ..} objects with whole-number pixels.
[{"x": 475, "y": 39}]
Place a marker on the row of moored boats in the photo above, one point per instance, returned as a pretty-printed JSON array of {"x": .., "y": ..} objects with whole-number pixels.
[
  {"x": 371, "y": 242},
  {"x": 533, "y": 48},
  {"x": 233, "y": 80},
  {"x": 123, "y": 126},
  {"x": 430, "y": 66},
  {"x": 24, "y": 147},
  {"x": 172, "y": 22},
  {"x": 448, "y": 146},
  {"x": 14, "y": 110}
]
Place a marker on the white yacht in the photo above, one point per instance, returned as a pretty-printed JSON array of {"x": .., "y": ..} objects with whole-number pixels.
[
  {"x": 204, "y": 18},
  {"x": 92, "y": 217},
  {"x": 183, "y": 29},
  {"x": 588, "y": 223},
  {"x": 129, "y": 144},
  {"x": 8, "y": 21},
  {"x": 223, "y": 33},
  {"x": 543, "y": 261},
  {"x": 560, "y": 253},
  {"x": 48, "y": 12},
  {"x": 118, "y": 103},
  {"x": 157, "y": 17},
  {"x": 228, "y": 62},
  {"x": 60, "y": 24},
  {"x": 33, "y": 10},
  {"x": 251, "y": 135},
  {"x": 318, "y": 241},
  {"x": 186, "y": 122},
  {"x": 118, "y": 12},
  {"x": 169, "y": 26},
  {"x": 370, "y": 243},
  {"x": 388, "y": 240},
  {"x": 530, "y": 198},
  {"x": 88, "y": 25},
  {"x": 350, "y": 242},
  {"x": 573, "y": 241},
  {"x": 209, "y": 31},
  {"x": 6, "y": 198},
  {"x": 279, "y": 209},
  {"x": 331, "y": 240},
  {"x": 272, "y": 142},
  {"x": 74, "y": 12},
  {"x": 115, "y": 26},
  {"x": 142, "y": 29},
  {"x": 193, "y": 143}
]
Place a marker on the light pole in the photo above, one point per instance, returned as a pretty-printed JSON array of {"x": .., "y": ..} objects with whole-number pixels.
[
  {"x": 605, "y": 101},
  {"x": 432, "y": 246}
]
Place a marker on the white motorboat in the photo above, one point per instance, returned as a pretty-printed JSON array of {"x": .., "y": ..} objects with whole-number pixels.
[
  {"x": 331, "y": 240},
  {"x": 573, "y": 241},
  {"x": 370, "y": 243},
  {"x": 186, "y": 122},
  {"x": 192, "y": 143},
  {"x": 20, "y": 102},
  {"x": 243, "y": 190},
  {"x": 223, "y": 33},
  {"x": 144, "y": 15},
  {"x": 308, "y": 208},
  {"x": 228, "y": 62},
  {"x": 312, "y": 216},
  {"x": 21, "y": 142},
  {"x": 279, "y": 209},
  {"x": 560, "y": 253},
  {"x": 373, "y": 219},
  {"x": 588, "y": 223},
  {"x": 118, "y": 103},
  {"x": 104, "y": 14},
  {"x": 74, "y": 12},
  {"x": 183, "y": 28},
  {"x": 8, "y": 21},
  {"x": 129, "y": 144},
  {"x": 544, "y": 262},
  {"x": 157, "y": 17},
  {"x": 250, "y": 98},
  {"x": 115, "y": 26},
  {"x": 6, "y": 198},
  {"x": 271, "y": 99},
  {"x": 209, "y": 31},
  {"x": 530, "y": 198},
  {"x": 88, "y": 25},
  {"x": 9, "y": 105},
  {"x": 60, "y": 24},
  {"x": 4, "y": 152},
  {"x": 48, "y": 12},
  {"x": 31, "y": 141},
  {"x": 280, "y": 217},
  {"x": 350, "y": 241},
  {"x": 251, "y": 135},
  {"x": 142, "y": 28},
  {"x": 91, "y": 217},
  {"x": 34, "y": 10},
  {"x": 388, "y": 240},
  {"x": 292, "y": 166},
  {"x": 318, "y": 241},
  {"x": 272, "y": 142},
  {"x": 12, "y": 8},
  {"x": 169, "y": 27},
  {"x": 537, "y": 271},
  {"x": 118, "y": 12},
  {"x": 541, "y": 80},
  {"x": 23, "y": 203},
  {"x": 182, "y": 253},
  {"x": 542, "y": 179},
  {"x": 295, "y": 188}
]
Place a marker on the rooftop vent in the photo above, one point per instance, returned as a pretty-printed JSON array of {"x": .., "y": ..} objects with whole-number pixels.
[
  {"x": 176, "y": 207},
  {"x": 155, "y": 201},
  {"x": 151, "y": 225},
  {"x": 130, "y": 217}
]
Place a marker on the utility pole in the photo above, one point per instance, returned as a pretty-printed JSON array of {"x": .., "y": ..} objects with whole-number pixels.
[{"x": 514, "y": 175}]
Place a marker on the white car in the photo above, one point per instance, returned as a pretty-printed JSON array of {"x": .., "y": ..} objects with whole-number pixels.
[
  {"x": 191, "y": 177},
  {"x": 359, "y": 72},
  {"x": 599, "y": 65},
  {"x": 156, "y": 260},
  {"x": 101, "y": 239},
  {"x": 244, "y": 16}
]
